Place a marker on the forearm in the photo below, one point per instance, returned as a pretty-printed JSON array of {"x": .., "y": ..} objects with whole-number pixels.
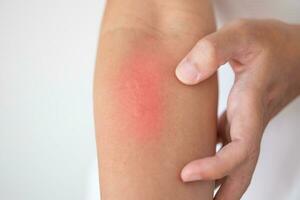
[{"x": 146, "y": 122}]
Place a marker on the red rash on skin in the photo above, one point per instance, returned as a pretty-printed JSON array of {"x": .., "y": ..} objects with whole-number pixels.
[{"x": 139, "y": 96}]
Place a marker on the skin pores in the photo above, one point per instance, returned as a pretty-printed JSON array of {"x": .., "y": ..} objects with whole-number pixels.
[{"x": 139, "y": 96}]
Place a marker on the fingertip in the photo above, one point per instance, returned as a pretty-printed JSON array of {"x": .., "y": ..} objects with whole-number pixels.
[
  {"x": 189, "y": 174},
  {"x": 188, "y": 73}
]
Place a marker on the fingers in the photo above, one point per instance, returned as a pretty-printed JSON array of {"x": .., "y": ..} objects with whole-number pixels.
[
  {"x": 232, "y": 189},
  {"x": 223, "y": 130},
  {"x": 231, "y": 156},
  {"x": 235, "y": 185},
  {"x": 208, "y": 54},
  {"x": 215, "y": 167}
]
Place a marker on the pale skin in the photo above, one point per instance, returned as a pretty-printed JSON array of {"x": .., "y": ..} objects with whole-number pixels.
[{"x": 265, "y": 56}]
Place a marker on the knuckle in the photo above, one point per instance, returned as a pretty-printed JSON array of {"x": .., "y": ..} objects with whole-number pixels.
[
  {"x": 246, "y": 28},
  {"x": 242, "y": 25},
  {"x": 244, "y": 151},
  {"x": 251, "y": 152},
  {"x": 242, "y": 22}
]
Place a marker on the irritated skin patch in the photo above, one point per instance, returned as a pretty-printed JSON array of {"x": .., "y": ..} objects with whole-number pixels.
[{"x": 139, "y": 96}]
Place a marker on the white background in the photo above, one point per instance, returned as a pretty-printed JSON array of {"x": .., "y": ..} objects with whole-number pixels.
[{"x": 47, "y": 146}]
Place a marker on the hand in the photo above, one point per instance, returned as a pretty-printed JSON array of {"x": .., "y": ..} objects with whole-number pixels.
[{"x": 265, "y": 57}]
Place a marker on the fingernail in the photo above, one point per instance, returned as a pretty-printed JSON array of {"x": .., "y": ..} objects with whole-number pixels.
[
  {"x": 187, "y": 73},
  {"x": 188, "y": 175}
]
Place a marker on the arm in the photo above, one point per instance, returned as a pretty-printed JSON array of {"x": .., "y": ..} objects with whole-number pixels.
[{"x": 147, "y": 126}]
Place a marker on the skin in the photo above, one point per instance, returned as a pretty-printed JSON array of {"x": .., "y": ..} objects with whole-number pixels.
[
  {"x": 264, "y": 55},
  {"x": 147, "y": 127},
  {"x": 140, "y": 88}
]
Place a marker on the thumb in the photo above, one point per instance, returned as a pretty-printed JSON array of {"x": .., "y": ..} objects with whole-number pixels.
[{"x": 209, "y": 53}]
